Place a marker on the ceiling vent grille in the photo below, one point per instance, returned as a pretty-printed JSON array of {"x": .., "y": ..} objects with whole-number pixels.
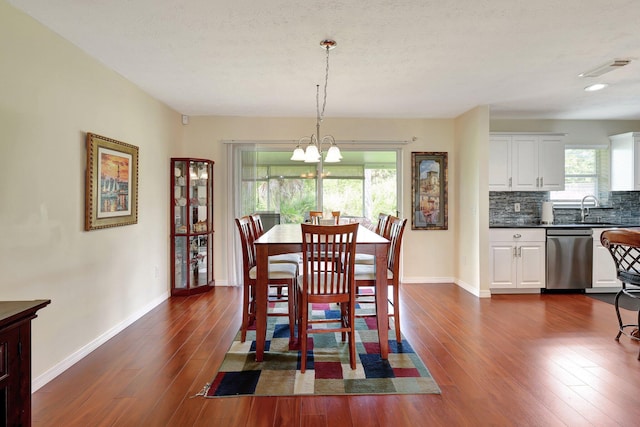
[{"x": 605, "y": 68}]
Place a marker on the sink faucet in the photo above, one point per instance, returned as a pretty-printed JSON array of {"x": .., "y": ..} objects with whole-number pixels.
[{"x": 584, "y": 212}]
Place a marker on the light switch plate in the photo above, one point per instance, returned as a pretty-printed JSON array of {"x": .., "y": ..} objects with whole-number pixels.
[{"x": 516, "y": 207}]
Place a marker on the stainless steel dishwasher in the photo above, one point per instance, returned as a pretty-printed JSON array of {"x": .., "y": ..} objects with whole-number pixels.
[{"x": 569, "y": 258}]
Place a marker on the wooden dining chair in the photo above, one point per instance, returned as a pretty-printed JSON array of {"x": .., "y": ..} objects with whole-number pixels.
[
  {"x": 381, "y": 229},
  {"x": 336, "y": 217},
  {"x": 280, "y": 274},
  {"x": 258, "y": 230},
  {"x": 315, "y": 217},
  {"x": 365, "y": 274},
  {"x": 292, "y": 258},
  {"x": 323, "y": 283}
]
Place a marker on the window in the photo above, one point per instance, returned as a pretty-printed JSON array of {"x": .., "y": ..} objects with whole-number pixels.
[
  {"x": 363, "y": 184},
  {"x": 586, "y": 173}
]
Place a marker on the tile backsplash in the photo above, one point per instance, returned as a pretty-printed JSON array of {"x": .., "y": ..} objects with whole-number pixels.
[{"x": 622, "y": 207}]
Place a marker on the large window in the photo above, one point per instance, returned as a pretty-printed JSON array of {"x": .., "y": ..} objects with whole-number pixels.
[
  {"x": 586, "y": 173},
  {"x": 363, "y": 184}
]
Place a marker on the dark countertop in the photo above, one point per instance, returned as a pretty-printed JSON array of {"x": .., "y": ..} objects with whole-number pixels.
[{"x": 573, "y": 225}]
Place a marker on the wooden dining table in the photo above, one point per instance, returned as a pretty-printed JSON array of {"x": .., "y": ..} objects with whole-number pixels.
[{"x": 287, "y": 238}]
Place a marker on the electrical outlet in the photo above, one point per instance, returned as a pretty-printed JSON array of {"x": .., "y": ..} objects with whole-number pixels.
[{"x": 516, "y": 207}]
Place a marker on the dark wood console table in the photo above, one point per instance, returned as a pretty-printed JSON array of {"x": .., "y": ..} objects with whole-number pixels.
[{"x": 15, "y": 360}]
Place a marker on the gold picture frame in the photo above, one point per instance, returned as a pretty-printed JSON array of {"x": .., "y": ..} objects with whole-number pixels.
[
  {"x": 429, "y": 191},
  {"x": 111, "y": 198}
]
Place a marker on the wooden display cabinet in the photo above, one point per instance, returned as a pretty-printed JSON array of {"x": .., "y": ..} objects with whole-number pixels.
[{"x": 191, "y": 226}]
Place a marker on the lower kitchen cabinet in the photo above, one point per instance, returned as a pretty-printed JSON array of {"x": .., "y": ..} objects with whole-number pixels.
[
  {"x": 517, "y": 258},
  {"x": 604, "y": 269}
]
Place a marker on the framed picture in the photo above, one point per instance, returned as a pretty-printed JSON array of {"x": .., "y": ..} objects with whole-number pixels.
[
  {"x": 111, "y": 197},
  {"x": 429, "y": 191}
]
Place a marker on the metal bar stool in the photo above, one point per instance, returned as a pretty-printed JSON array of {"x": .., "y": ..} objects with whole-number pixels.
[{"x": 624, "y": 246}]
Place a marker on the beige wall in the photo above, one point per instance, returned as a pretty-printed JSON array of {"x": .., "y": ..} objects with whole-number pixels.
[
  {"x": 472, "y": 227},
  {"x": 98, "y": 281},
  {"x": 427, "y": 254}
]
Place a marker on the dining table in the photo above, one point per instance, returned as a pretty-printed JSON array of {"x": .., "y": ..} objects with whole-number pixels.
[{"x": 287, "y": 238}]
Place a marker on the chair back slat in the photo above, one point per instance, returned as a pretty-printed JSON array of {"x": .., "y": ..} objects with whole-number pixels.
[
  {"x": 394, "y": 234},
  {"x": 383, "y": 222},
  {"x": 329, "y": 252},
  {"x": 247, "y": 238},
  {"x": 256, "y": 222}
]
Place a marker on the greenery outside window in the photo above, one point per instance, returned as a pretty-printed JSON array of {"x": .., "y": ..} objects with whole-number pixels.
[
  {"x": 363, "y": 184},
  {"x": 586, "y": 173}
]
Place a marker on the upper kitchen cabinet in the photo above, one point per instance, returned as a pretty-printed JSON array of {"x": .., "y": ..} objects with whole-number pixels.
[
  {"x": 526, "y": 162},
  {"x": 625, "y": 161}
]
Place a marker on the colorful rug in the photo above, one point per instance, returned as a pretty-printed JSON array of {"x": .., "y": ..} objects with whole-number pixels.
[{"x": 328, "y": 369}]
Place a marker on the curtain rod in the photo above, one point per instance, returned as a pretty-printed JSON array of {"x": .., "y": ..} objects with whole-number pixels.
[{"x": 339, "y": 141}]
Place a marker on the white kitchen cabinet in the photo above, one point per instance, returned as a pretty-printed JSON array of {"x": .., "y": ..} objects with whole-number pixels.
[
  {"x": 517, "y": 258},
  {"x": 604, "y": 269},
  {"x": 625, "y": 161},
  {"x": 526, "y": 162},
  {"x": 500, "y": 163}
]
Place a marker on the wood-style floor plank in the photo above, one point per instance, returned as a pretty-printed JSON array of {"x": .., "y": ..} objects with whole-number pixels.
[{"x": 525, "y": 360}]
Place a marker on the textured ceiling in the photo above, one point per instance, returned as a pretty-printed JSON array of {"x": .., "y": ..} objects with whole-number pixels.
[{"x": 395, "y": 59}]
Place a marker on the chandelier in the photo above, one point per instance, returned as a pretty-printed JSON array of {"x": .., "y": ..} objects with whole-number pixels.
[{"x": 313, "y": 151}]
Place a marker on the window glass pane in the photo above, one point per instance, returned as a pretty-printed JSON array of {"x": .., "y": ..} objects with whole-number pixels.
[
  {"x": 363, "y": 184},
  {"x": 346, "y": 171},
  {"x": 344, "y": 195},
  {"x": 580, "y": 161},
  {"x": 586, "y": 173}
]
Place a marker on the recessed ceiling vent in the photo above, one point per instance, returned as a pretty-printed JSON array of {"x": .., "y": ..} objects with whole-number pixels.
[{"x": 605, "y": 68}]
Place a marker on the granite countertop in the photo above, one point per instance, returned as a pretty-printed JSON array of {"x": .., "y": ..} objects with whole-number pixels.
[{"x": 572, "y": 225}]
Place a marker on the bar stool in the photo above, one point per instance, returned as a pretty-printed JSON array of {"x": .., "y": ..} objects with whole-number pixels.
[{"x": 624, "y": 247}]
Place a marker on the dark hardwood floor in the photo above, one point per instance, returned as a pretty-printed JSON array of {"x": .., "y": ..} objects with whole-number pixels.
[{"x": 511, "y": 360}]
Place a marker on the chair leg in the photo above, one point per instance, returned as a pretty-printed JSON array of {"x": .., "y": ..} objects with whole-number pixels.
[
  {"x": 291, "y": 301},
  {"x": 245, "y": 313},
  {"x": 352, "y": 339},
  {"x": 343, "y": 319},
  {"x": 396, "y": 312},
  {"x": 302, "y": 333},
  {"x": 616, "y": 305}
]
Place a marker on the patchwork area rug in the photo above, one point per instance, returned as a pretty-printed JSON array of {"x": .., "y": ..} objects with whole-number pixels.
[{"x": 328, "y": 369}]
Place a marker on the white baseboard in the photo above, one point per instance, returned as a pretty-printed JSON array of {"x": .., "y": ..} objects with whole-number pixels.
[{"x": 74, "y": 358}]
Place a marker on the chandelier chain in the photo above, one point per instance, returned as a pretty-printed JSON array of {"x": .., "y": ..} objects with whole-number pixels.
[{"x": 326, "y": 82}]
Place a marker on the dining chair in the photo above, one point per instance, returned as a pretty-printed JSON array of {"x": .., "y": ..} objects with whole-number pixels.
[
  {"x": 280, "y": 275},
  {"x": 381, "y": 229},
  {"x": 258, "y": 230},
  {"x": 292, "y": 258},
  {"x": 365, "y": 274},
  {"x": 624, "y": 247},
  {"x": 336, "y": 217},
  {"x": 315, "y": 217},
  {"x": 322, "y": 283}
]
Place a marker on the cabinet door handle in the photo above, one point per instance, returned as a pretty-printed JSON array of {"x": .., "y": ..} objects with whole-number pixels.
[
  {"x": 517, "y": 236},
  {"x": 520, "y": 252},
  {"x": 515, "y": 252},
  {"x": 541, "y": 181},
  {"x": 510, "y": 181}
]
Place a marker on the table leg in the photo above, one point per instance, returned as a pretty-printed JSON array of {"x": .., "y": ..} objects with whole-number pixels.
[
  {"x": 262, "y": 277},
  {"x": 382, "y": 297}
]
